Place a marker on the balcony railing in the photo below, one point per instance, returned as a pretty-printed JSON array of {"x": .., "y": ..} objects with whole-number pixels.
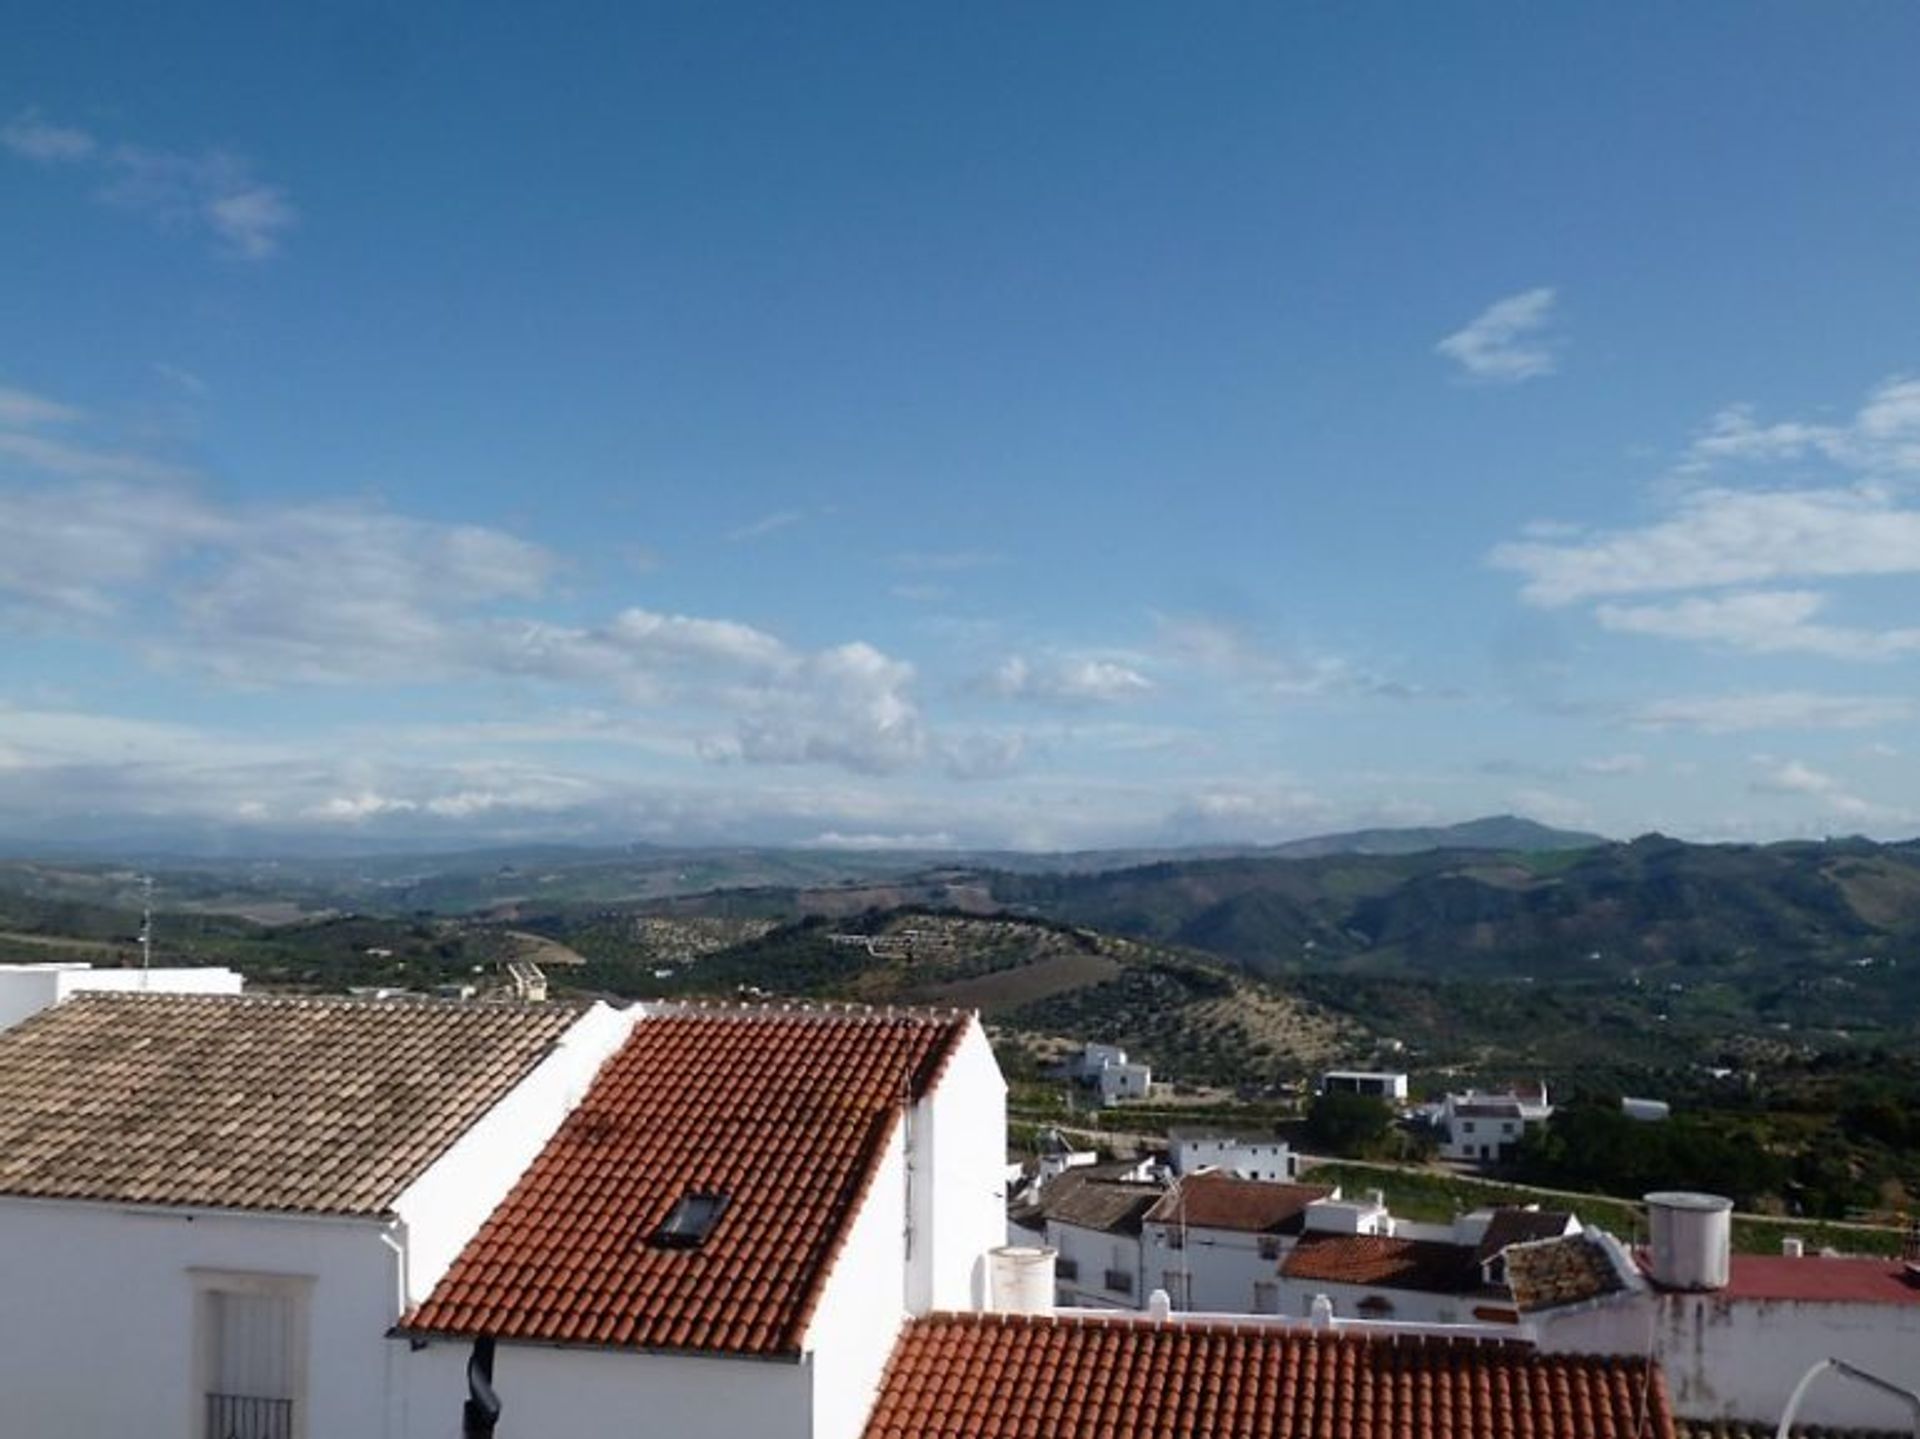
[
  {"x": 1120, "y": 1281},
  {"x": 248, "y": 1416}
]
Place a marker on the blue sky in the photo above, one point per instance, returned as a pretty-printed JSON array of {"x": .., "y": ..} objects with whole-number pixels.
[{"x": 1038, "y": 426}]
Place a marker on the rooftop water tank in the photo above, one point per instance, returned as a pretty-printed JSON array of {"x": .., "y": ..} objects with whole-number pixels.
[
  {"x": 1022, "y": 1278},
  {"x": 1690, "y": 1238}
]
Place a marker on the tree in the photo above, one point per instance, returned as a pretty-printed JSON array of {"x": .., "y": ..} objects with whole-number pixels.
[{"x": 1349, "y": 1124}]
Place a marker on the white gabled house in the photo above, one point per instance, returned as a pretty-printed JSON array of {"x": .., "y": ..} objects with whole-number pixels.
[
  {"x": 280, "y": 1218},
  {"x": 214, "y": 1207}
]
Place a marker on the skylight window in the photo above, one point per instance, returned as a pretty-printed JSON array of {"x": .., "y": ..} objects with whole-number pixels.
[{"x": 692, "y": 1220}]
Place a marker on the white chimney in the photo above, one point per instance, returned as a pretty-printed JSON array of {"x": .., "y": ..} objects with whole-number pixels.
[
  {"x": 1022, "y": 1278},
  {"x": 1793, "y": 1246},
  {"x": 1159, "y": 1306},
  {"x": 1690, "y": 1240},
  {"x": 1321, "y": 1316}
]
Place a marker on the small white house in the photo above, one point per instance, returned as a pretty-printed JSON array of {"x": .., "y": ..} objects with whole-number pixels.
[
  {"x": 1377, "y": 1084},
  {"x": 1091, "y": 1217},
  {"x": 1214, "y": 1243},
  {"x": 214, "y": 1207},
  {"x": 1485, "y": 1127},
  {"x": 1247, "y": 1155}
]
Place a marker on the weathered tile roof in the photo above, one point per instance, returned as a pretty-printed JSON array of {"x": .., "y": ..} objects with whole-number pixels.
[
  {"x": 1381, "y": 1263},
  {"x": 1053, "y": 1377},
  {"x": 1555, "y": 1272},
  {"x": 784, "y": 1112},
  {"x": 252, "y": 1102},
  {"x": 1090, "y": 1201},
  {"x": 1220, "y": 1201},
  {"x": 1511, "y": 1225}
]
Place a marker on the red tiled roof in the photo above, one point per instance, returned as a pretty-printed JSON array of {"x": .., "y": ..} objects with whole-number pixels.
[
  {"x": 1817, "y": 1279},
  {"x": 1220, "y": 1201},
  {"x": 784, "y": 1111},
  {"x": 1382, "y": 1263},
  {"x": 1053, "y": 1377}
]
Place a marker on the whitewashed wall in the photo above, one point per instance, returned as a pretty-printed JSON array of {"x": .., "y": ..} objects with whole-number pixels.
[
  {"x": 551, "y": 1393},
  {"x": 1219, "y": 1267},
  {"x": 959, "y": 1179},
  {"x": 26, "y": 989},
  {"x": 97, "y": 1316},
  {"x": 1739, "y": 1359},
  {"x": 861, "y": 1309},
  {"x": 1410, "y": 1306}
]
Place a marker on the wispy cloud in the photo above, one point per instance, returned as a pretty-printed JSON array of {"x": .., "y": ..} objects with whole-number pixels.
[
  {"x": 1792, "y": 777},
  {"x": 1774, "y": 710},
  {"x": 943, "y": 562},
  {"x": 1722, "y": 537},
  {"x": 1759, "y": 622},
  {"x": 31, "y": 137},
  {"x": 1881, "y": 437},
  {"x": 1214, "y": 647},
  {"x": 21, "y": 410},
  {"x": 212, "y": 192},
  {"x": 1066, "y": 680},
  {"x": 766, "y": 525},
  {"x": 1508, "y": 341}
]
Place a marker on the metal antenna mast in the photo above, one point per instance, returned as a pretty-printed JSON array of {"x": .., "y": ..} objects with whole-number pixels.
[{"x": 146, "y": 921}]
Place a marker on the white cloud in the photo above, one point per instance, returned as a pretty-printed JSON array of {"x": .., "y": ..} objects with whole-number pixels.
[
  {"x": 943, "y": 562},
  {"x": 1614, "y": 765},
  {"x": 83, "y": 462},
  {"x": 766, "y": 525},
  {"x": 1726, "y": 537},
  {"x": 1506, "y": 342},
  {"x": 1218, "y": 649},
  {"x": 1067, "y": 680},
  {"x": 1794, "y": 778},
  {"x": 212, "y": 192},
  {"x": 74, "y": 550},
  {"x": 32, "y": 138},
  {"x": 1882, "y": 437},
  {"x": 984, "y": 755},
  {"x": 18, "y": 408},
  {"x": 1759, "y": 622},
  {"x": 1777, "y": 710}
]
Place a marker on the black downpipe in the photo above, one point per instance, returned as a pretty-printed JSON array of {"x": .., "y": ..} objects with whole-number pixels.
[{"x": 482, "y": 1410}]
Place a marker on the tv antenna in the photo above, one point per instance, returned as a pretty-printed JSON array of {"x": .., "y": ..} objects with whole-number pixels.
[{"x": 146, "y": 922}]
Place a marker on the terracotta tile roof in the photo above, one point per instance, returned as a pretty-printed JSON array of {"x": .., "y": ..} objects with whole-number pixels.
[
  {"x": 1554, "y": 1272},
  {"x": 785, "y": 1112},
  {"x": 1380, "y": 1263},
  {"x": 1220, "y": 1201},
  {"x": 1054, "y": 1377},
  {"x": 1089, "y": 1201},
  {"x": 1818, "y": 1279},
  {"x": 1520, "y": 1226},
  {"x": 252, "y": 1102}
]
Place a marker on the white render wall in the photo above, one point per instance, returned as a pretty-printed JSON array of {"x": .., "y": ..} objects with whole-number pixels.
[
  {"x": 861, "y": 1311},
  {"x": 26, "y": 989},
  {"x": 1410, "y": 1306},
  {"x": 1271, "y": 1161},
  {"x": 97, "y": 1316},
  {"x": 554, "y": 1393},
  {"x": 447, "y": 1204},
  {"x": 958, "y": 1178},
  {"x": 1217, "y": 1267},
  {"x": 1095, "y": 1251},
  {"x": 1740, "y": 1358}
]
